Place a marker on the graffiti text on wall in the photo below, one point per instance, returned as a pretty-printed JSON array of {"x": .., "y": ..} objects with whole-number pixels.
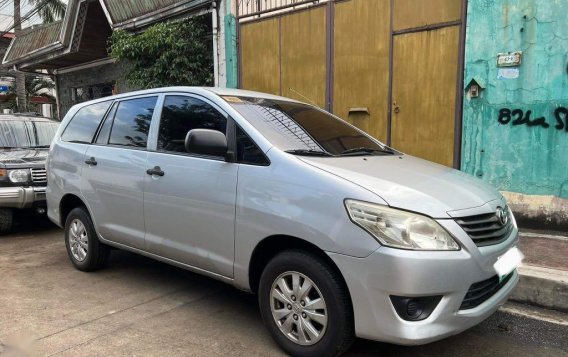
[{"x": 520, "y": 117}]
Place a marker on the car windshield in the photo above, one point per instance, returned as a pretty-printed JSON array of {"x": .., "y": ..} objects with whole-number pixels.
[
  {"x": 26, "y": 134},
  {"x": 302, "y": 129}
]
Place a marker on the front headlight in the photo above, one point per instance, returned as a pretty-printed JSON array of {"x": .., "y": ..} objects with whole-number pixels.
[
  {"x": 19, "y": 176},
  {"x": 400, "y": 229}
]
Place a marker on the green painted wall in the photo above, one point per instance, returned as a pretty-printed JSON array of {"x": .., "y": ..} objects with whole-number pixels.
[
  {"x": 528, "y": 159},
  {"x": 231, "y": 48}
]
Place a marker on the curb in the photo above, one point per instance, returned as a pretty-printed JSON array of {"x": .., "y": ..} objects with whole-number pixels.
[{"x": 542, "y": 287}]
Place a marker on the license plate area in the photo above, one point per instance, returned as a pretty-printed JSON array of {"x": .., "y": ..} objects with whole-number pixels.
[{"x": 508, "y": 262}]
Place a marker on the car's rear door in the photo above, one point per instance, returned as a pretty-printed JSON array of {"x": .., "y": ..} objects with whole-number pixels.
[
  {"x": 189, "y": 211},
  {"x": 114, "y": 171}
]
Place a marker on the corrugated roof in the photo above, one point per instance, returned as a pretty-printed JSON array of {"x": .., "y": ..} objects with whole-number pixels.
[
  {"x": 34, "y": 39},
  {"x": 35, "y": 42},
  {"x": 124, "y": 10}
]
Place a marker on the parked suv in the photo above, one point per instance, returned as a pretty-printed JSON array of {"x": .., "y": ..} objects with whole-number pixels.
[
  {"x": 24, "y": 144},
  {"x": 338, "y": 234}
]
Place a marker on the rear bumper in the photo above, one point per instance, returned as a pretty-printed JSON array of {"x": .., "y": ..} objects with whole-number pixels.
[
  {"x": 389, "y": 272},
  {"x": 21, "y": 197}
]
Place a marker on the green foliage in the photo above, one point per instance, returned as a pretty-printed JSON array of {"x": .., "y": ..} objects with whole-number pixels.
[
  {"x": 50, "y": 10},
  {"x": 166, "y": 54},
  {"x": 36, "y": 86}
]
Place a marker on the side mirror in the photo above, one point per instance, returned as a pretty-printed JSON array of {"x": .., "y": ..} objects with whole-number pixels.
[{"x": 206, "y": 142}]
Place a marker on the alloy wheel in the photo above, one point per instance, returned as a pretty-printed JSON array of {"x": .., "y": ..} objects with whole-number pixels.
[
  {"x": 78, "y": 240},
  {"x": 298, "y": 308}
]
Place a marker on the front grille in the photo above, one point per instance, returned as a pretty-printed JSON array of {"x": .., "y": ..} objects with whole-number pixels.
[
  {"x": 480, "y": 292},
  {"x": 487, "y": 229},
  {"x": 39, "y": 176}
]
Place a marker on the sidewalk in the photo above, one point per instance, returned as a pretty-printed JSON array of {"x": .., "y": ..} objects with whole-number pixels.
[{"x": 544, "y": 274}]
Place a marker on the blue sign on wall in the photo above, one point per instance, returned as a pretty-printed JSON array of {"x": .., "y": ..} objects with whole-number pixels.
[{"x": 4, "y": 88}]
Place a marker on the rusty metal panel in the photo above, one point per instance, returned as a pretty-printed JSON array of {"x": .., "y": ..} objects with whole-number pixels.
[
  {"x": 361, "y": 64},
  {"x": 418, "y": 13},
  {"x": 260, "y": 56},
  {"x": 424, "y": 93},
  {"x": 303, "y": 58},
  {"x": 123, "y": 10},
  {"x": 33, "y": 39}
]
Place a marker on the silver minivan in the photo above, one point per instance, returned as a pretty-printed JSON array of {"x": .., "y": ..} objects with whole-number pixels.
[{"x": 338, "y": 234}]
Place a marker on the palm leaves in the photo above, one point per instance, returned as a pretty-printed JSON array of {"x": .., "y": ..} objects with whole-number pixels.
[{"x": 49, "y": 10}]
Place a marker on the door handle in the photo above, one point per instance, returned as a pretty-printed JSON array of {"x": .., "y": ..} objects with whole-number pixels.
[
  {"x": 91, "y": 161},
  {"x": 155, "y": 171}
]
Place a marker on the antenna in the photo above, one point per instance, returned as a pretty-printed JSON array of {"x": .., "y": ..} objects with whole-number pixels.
[{"x": 303, "y": 96}]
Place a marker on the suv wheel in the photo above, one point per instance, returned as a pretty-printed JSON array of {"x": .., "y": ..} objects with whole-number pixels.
[
  {"x": 85, "y": 250},
  {"x": 305, "y": 305},
  {"x": 6, "y": 220}
]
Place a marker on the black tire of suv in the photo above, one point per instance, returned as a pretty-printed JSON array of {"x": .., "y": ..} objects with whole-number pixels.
[
  {"x": 6, "y": 220},
  {"x": 97, "y": 252},
  {"x": 339, "y": 334}
]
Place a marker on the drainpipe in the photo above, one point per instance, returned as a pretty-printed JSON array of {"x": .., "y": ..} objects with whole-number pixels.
[{"x": 215, "y": 46}]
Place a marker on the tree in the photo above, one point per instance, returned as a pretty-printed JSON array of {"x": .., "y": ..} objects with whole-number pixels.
[
  {"x": 36, "y": 86},
  {"x": 49, "y": 11},
  {"x": 20, "y": 77},
  {"x": 166, "y": 54}
]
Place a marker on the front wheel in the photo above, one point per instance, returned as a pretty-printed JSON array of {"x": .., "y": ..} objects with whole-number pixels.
[
  {"x": 85, "y": 250},
  {"x": 305, "y": 305},
  {"x": 6, "y": 220}
]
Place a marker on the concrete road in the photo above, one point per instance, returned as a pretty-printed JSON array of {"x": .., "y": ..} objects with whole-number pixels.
[{"x": 139, "y": 307}]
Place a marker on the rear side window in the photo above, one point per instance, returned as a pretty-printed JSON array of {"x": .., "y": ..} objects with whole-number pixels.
[
  {"x": 84, "y": 124},
  {"x": 132, "y": 122},
  {"x": 181, "y": 114}
]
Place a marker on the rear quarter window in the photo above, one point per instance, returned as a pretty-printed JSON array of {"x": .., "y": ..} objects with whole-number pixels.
[{"x": 85, "y": 122}]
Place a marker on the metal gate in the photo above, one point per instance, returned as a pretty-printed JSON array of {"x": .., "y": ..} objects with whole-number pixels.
[{"x": 393, "y": 68}]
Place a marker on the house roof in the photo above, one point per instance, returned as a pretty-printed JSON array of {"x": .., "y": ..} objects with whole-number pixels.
[
  {"x": 124, "y": 10},
  {"x": 33, "y": 39},
  {"x": 39, "y": 46}
]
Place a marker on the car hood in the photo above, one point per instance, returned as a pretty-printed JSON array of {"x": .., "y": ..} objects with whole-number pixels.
[
  {"x": 411, "y": 183},
  {"x": 23, "y": 157}
]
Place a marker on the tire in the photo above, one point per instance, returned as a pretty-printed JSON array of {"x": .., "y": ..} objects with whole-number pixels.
[
  {"x": 85, "y": 250},
  {"x": 336, "y": 331},
  {"x": 6, "y": 220}
]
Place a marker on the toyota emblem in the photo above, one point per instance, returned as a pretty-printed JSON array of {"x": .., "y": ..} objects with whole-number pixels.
[{"x": 502, "y": 216}]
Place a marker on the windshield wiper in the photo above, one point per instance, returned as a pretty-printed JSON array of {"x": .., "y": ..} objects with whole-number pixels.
[
  {"x": 365, "y": 150},
  {"x": 308, "y": 152}
]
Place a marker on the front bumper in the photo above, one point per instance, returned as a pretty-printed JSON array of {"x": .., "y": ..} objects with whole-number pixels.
[
  {"x": 388, "y": 271},
  {"x": 21, "y": 197}
]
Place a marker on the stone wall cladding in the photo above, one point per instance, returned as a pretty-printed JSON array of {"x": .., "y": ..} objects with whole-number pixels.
[{"x": 106, "y": 73}]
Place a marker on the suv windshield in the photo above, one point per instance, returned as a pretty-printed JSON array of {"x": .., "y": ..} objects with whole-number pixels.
[
  {"x": 302, "y": 129},
  {"x": 26, "y": 134}
]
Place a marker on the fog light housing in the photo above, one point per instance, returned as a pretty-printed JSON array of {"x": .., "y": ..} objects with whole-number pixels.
[{"x": 415, "y": 308}]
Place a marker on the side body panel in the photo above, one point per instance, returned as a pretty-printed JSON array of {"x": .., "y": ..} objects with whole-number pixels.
[
  {"x": 64, "y": 166},
  {"x": 295, "y": 199},
  {"x": 190, "y": 211},
  {"x": 114, "y": 192}
]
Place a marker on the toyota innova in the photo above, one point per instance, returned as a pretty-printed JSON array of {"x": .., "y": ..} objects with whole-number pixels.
[{"x": 338, "y": 234}]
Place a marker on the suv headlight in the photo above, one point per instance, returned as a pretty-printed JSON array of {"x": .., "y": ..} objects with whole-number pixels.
[
  {"x": 19, "y": 176},
  {"x": 400, "y": 229}
]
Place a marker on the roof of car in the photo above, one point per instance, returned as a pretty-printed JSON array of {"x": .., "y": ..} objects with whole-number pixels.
[
  {"x": 187, "y": 89},
  {"x": 243, "y": 93},
  {"x": 25, "y": 117}
]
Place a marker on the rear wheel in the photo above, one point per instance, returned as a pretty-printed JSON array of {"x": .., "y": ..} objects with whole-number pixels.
[
  {"x": 85, "y": 250},
  {"x": 305, "y": 305},
  {"x": 6, "y": 220}
]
